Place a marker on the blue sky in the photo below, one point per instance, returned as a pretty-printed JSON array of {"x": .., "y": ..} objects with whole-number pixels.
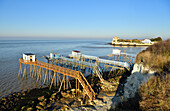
[{"x": 85, "y": 18}]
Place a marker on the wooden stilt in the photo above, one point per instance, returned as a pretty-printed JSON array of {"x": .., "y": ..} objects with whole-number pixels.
[
  {"x": 30, "y": 70},
  {"x": 25, "y": 71},
  {"x": 57, "y": 79},
  {"x": 52, "y": 81},
  {"x": 20, "y": 71},
  {"x": 61, "y": 83},
  {"x": 45, "y": 79},
  {"x": 76, "y": 86},
  {"x": 67, "y": 82},
  {"x": 64, "y": 83}
]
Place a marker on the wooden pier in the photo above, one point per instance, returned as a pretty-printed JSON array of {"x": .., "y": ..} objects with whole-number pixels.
[{"x": 55, "y": 78}]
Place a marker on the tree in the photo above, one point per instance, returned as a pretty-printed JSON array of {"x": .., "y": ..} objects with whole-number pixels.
[{"x": 156, "y": 39}]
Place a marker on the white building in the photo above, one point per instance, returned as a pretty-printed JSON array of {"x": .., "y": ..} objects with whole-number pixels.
[
  {"x": 29, "y": 57},
  {"x": 54, "y": 55},
  {"x": 115, "y": 39},
  {"x": 76, "y": 53},
  {"x": 147, "y": 41},
  {"x": 116, "y": 51}
]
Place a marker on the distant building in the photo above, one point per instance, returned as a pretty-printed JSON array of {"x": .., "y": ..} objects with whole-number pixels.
[
  {"x": 76, "y": 53},
  {"x": 115, "y": 39},
  {"x": 147, "y": 41},
  {"x": 54, "y": 55},
  {"x": 29, "y": 57},
  {"x": 116, "y": 51}
]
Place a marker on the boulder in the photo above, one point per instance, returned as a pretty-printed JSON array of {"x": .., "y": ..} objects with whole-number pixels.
[
  {"x": 41, "y": 98},
  {"x": 29, "y": 109},
  {"x": 39, "y": 107}
]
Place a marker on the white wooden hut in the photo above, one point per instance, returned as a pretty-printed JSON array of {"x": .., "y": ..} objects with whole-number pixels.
[
  {"x": 76, "y": 53},
  {"x": 29, "y": 57},
  {"x": 116, "y": 51}
]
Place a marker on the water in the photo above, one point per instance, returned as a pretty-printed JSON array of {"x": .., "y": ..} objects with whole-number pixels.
[{"x": 12, "y": 50}]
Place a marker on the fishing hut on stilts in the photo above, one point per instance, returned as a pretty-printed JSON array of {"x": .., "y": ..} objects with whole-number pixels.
[{"x": 59, "y": 78}]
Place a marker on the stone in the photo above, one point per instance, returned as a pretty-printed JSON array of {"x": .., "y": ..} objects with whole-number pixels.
[
  {"x": 64, "y": 107},
  {"x": 66, "y": 95},
  {"x": 39, "y": 107},
  {"x": 29, "y": 109},
  {"x": 42, "y": 103},
  {"x": 53, "y": 95},
  {"x": 97, "y": 101},
  {"x": 49, "y": 105},
  {"x": 89, "y": 102},
  {"x": 22, "y": 107},
  {"x": 41, "y": 98}
]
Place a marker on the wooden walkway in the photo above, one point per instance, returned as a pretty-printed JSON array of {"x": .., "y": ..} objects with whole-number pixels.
[{"x": 64, "y": 71}]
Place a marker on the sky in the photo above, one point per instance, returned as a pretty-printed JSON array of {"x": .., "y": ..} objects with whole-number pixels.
[{"x": 84, "y": 19}]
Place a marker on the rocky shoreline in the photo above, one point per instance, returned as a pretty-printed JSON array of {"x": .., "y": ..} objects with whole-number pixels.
[{"x": 44, "y": 98}]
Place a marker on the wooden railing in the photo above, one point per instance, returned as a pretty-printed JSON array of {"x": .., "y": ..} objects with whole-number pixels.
[{"x": 65, "y": 71}]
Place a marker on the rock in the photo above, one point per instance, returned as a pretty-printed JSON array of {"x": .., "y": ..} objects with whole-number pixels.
[
  {"x": 65, "y": 95},
  {"x": 97, "y": 101},
  {"x": 89, "y": 102},
  {"x": 68, "y": 92},
  {"x": 73, "y": 90},
  {"x": 23, "y": 93},
  {"x": 4, "y": 99},
  {"x": 29, "y": 109},
  {"x": 53, "y": 95},
  {"x": 64, "y": 107},
  {"x": 79, "y": 99},
  {"x": 41, "y": 98},
  {"x": 42, "y": 103},
  {"x": 19, "y": 94},
  {"x": 74, "y": 104},
  {"x": 22, "y": 107},
  {"x": 39, "y": 107},
  {"x": 49, "y": 105},
  {"x": 142, "y": 69},
  {"x": 22, "y": 97},
  {"x": 133, "y": 83}
]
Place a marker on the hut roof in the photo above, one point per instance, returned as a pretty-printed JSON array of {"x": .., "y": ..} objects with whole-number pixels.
[
  {"x": 29, "y": 54},
  {"x": 76, "y": 51}
]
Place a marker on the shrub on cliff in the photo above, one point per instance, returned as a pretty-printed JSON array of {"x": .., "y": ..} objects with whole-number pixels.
[
  {"x": 156, "y": 39},
  {"x": 155, "y": 94},
  {"x": 157, "y": 56}
]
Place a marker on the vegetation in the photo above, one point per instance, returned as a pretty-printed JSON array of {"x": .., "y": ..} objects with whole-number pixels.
[
  {"x": 128, "y": 40},
  {"x": 154, "y": 94},
  {"x": 156, "y": 39},
  {"x": 157, "y": 56}
]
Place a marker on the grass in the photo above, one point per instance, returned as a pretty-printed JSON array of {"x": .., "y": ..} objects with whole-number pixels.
[
  {"x": 157, "y": 56},
  {"x": 155, "y": 94}
]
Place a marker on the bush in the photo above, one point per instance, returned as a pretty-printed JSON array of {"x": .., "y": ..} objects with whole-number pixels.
[
  {"x": 156, "y": 56},
  {"x": 155, "y": 94},
  {"x": 156, "y": 39}
]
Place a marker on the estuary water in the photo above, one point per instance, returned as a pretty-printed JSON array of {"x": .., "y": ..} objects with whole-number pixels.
[{"x": 12, "y": 50}]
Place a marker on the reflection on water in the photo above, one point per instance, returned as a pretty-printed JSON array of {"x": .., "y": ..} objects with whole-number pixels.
[{"x": 12, "y": 50}]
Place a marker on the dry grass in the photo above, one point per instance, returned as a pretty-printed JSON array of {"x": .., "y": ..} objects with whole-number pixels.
[
  {"x": 155, "y": 94},
  {"x": 156, "y": 56}
]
